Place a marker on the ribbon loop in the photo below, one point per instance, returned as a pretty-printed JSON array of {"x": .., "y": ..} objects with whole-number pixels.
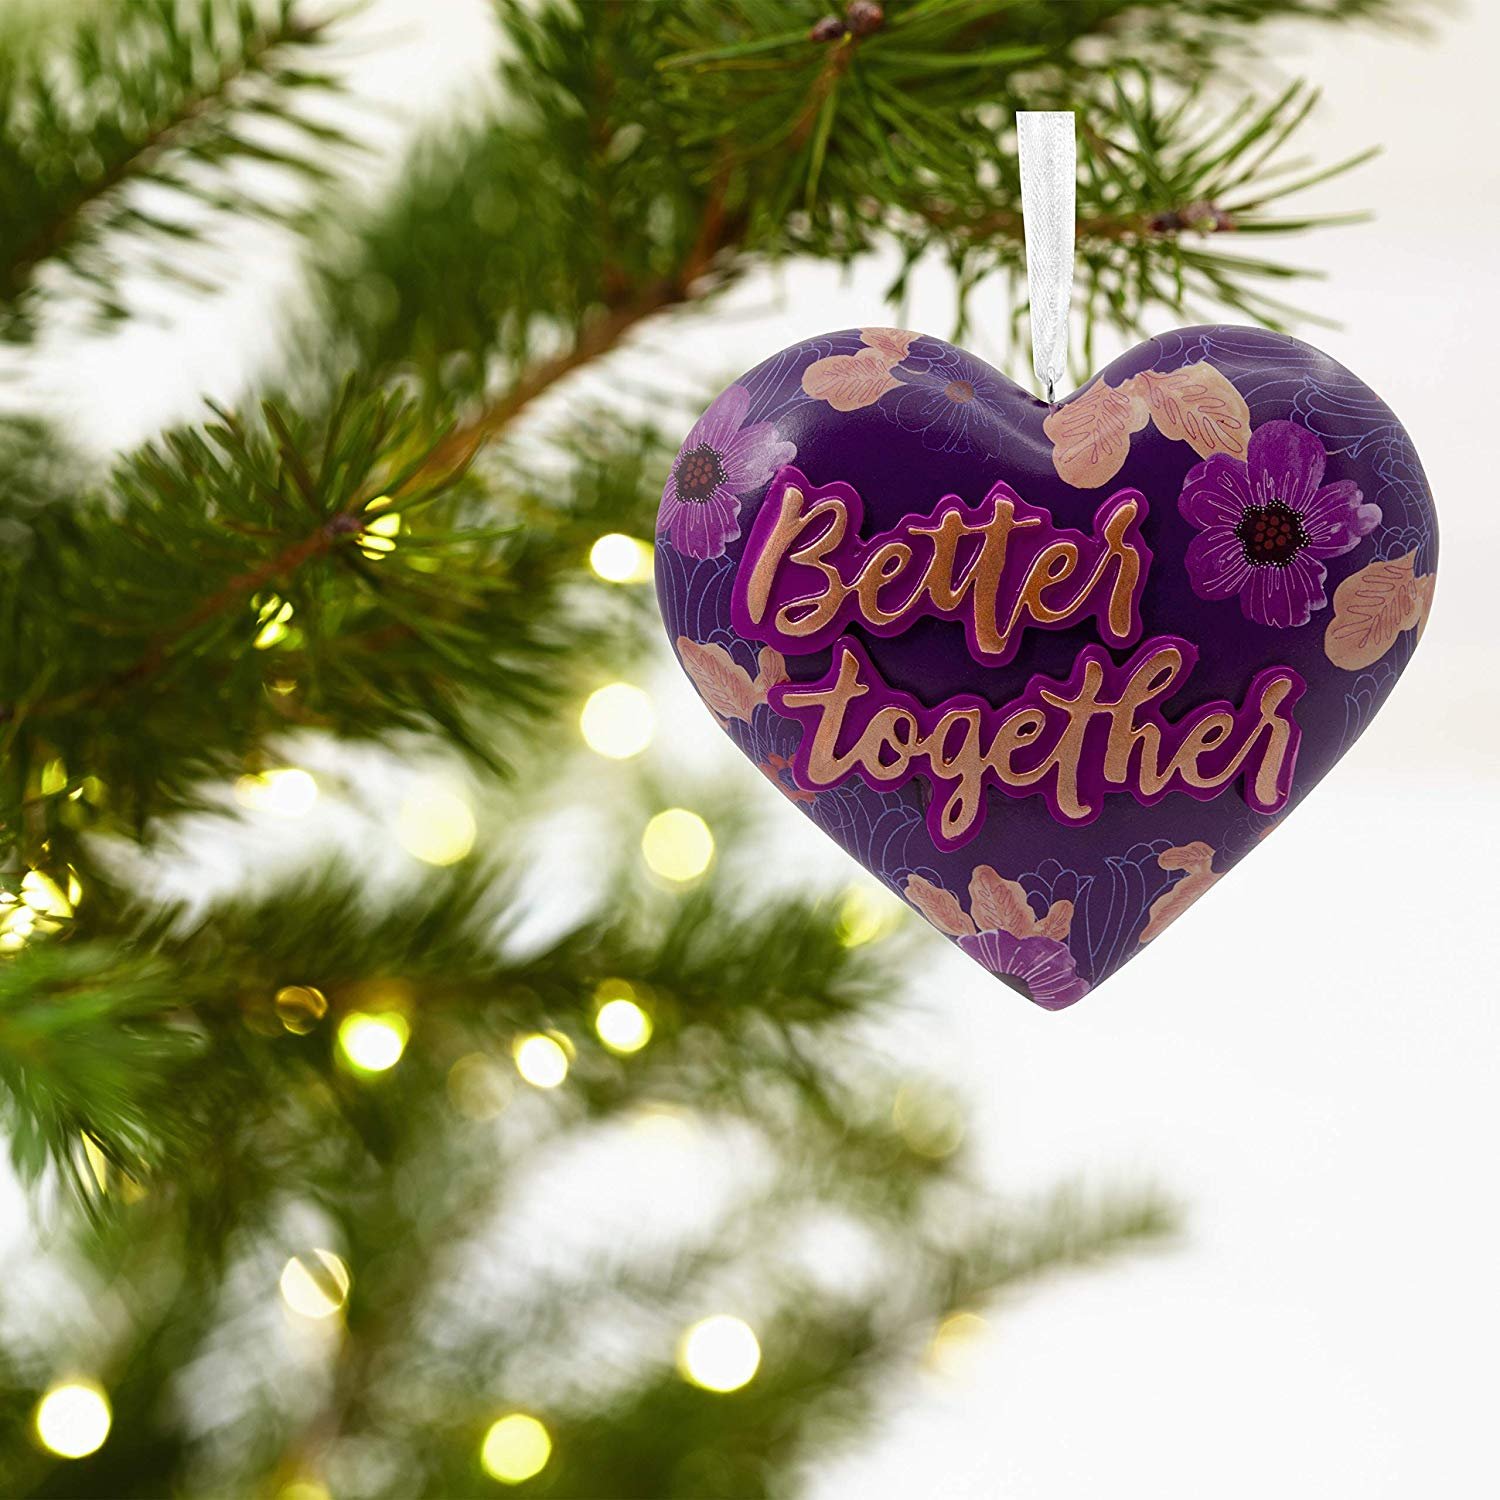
[{"x": 1049, "y": 179}]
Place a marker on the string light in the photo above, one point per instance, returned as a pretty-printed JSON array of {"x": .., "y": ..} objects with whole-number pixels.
[
  {"x": 515, "y": 1449},
  {"x": 618, "y": 558},
  {"x": 540, "y": 1060},
  {"x": 865, "y": 914},
  {"x": 378, "y": 539},
  {"x": 288, "y": 792},
  {"x": 304, "y": 1489},
  {"x": 622, "y": 1024},
  {"x": 437, "y": 826},
  {"x": 373, "y": 1043},
  {"x": 719, "y": 1353},
  {"x": 73, "y": 1419},
  {"x": 300, "y": 1007},
  {"x": 677, "y": 844},
  {"x": 477, "y": 1087},
  {"x": 617, "y": 721},
  {"x": 273, "y": 617},
  {"x": 316, "y": 1285},
  {"x": 955, "y": 1343}
]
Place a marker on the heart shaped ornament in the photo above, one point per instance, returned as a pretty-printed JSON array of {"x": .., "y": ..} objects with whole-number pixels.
[{"x": 1047, "y": 671}]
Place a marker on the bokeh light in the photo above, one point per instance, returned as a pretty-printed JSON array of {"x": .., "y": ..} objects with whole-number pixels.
[
  {"x": 720, "y": 1353},
  {"x": 540, "y": 1060},
  {"x": 622, "y": 1025},
  {"x": 373, "y": 1043},
  {"x": 300, "y": 1007},
  {"x": 617, "y": 721},
  {"x": 677, "y": 844},
  {"x": 867, "y": 913},
  {"x": 477, "y": 1088},
  {"x": 315, "y": 1285},
  {"x": 515, "y": 1449},
  {"x": 379, "y": 535},
  {"x": 956, "y": 1343},
  {"x": 618, "y": 558},
  {"x": 72, "y": 1419},
  {"x": 304, "y": 1489},
  {"x": 437, "y": 826},
  {"x": 928, "y": 1119},
  {"x": 288, "y": 792},
  {"x": 44, "y": 896}
]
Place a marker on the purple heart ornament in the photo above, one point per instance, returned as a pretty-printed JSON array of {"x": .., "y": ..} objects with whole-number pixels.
[{"x": 1046, "y": 671}]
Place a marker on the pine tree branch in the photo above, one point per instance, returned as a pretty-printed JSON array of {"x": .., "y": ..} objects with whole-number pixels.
[
  {"x": 140, "y": 154},
  {"x": 127, "y": 105}
]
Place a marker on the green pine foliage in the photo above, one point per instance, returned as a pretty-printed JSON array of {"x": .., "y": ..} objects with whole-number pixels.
[{"x": 389, "y": 550}]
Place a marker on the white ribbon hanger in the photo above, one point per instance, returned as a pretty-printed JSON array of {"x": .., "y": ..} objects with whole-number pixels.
[{"x": 1049, "y": 197}]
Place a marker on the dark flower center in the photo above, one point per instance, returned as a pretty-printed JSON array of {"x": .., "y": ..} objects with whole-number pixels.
[
  {"x": 961, "y": 391},
  {"x": 700, "y": 472},
  {"x": 1271, "y": 535}
]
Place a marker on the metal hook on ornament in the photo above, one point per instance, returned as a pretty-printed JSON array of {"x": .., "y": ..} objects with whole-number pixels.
[{"x": 1049, "y": 199}]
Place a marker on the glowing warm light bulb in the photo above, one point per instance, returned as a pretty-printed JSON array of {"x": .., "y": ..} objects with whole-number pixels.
[
  {"x": 379, "y": 535},
  {"x": 955, "y": 1344},
  {"x": 288, "y": 793},
  {"x": 622, "y": 1025},
  {"x": 617, "y": 721},
  {"x": 865, "y": 914},
  {"x": 304, "y": 1489},
  {"x": 316, "y": 1285},
  {"x": 677, "y": 844},
  {"x": 272, "y": 617},
  {"x": 618, "y": 558},
  {"x": 373, "y": 1044},
  {"x": 72, "y": 1419},
  {"x": 300, "y": 1007},
  {"x": 437, "y": 826},
  {"x": 515, "y": 1448},
  {"x": 44, "y": 896},
  {"x": 720, "y": 1353},
  {"x": 540, "y": 1060}
]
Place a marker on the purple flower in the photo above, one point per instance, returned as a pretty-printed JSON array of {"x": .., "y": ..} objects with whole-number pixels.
[
  {"x": 1041, "y": 968},
  {"x": 953, "y": 400},
  {"x": 1265, "y": 524},
  {"x": 719, "y": 464}
]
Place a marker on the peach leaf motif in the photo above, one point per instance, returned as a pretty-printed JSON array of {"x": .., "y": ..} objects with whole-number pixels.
[
  {"x": 1091, "y": 434},
  {"x": 770, "y": 672},
  {"x": 849, "y": 382},
  {"x": 894, "y": 343},
  {"x": 722, "y": 684},
  {"x": 999, "y": 905},
  {"x": 1197, "y": 405},
  {"x": 1196, "y": 861},
  {"x": 940, "y": 907},
  {"x": 1058, "y": 922},
  {"x": 1372, "y": 607}
]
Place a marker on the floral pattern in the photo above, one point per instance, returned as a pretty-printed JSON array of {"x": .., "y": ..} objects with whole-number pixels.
[
  {"x": 1267, "y": 522},
  {"x": 1002, "y": 932},
  {"x": 949, "y": 398},
  {"x": 1195, "y": 860},
  {"x": 720, "y": 463}
]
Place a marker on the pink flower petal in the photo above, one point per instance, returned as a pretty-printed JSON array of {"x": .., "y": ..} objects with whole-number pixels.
[
  {"x": 1216, "y": 564},
  {"x": 1286, "y": 464},
  {"x": 721, "y": 421},
  {"x": 1285, "y": 597},
  {"x": 1335, "y": 519},
  {"x": 1216, "y": 492}
]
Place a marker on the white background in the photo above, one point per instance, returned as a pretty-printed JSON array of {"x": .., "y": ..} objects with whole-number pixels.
[{"x": 1307, "y": 1061}]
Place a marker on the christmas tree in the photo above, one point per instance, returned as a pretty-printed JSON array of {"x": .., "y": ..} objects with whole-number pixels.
[{"x": 284, "y": 1140}]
